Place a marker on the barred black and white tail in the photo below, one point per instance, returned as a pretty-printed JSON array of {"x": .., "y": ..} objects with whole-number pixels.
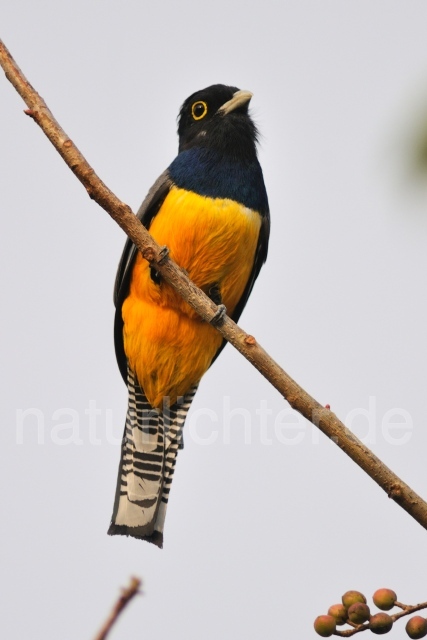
[{"x": 149, "y": 451}]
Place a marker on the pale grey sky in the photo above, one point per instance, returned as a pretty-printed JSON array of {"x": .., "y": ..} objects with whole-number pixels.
[{"x": 269, "y": 524}]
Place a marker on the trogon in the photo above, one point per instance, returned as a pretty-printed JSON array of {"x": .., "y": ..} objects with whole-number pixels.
[{"x": 210, "y": 209}]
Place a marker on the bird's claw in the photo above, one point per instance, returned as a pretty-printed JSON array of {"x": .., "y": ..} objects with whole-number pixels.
[
  {"x": 163, "y": 255},
  {"x": 219, "y": 316}
]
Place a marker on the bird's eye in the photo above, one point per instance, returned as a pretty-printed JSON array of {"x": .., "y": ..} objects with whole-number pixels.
[{"x": 199, "y": 110}]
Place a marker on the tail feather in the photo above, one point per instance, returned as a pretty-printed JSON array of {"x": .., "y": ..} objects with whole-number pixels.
[{"x": 149, "y": 451}]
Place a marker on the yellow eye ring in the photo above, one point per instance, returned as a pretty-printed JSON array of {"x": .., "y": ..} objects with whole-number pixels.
[{"x": 199, "y": 110}]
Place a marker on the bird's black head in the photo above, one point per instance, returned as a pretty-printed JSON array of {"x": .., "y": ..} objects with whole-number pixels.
[{"x": 217, "y": 117}]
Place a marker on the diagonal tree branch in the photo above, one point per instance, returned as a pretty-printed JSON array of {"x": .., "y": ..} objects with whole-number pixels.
[
  {"x": 299, "y": 399},
  {"x": 125, "y": 597}
]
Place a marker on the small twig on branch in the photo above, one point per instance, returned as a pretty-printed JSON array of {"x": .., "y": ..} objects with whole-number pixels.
[
  {"x": 402, "y": 606},
  {"x": 126, "y": 596},
  {"x": 299, "y": 399}
]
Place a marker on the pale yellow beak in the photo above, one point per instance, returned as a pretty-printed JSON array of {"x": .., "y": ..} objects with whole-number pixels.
[{"x": 238, "y": 100}]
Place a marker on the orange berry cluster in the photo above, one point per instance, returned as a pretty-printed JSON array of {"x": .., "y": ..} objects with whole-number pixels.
[{"x": 354, "y": 611}]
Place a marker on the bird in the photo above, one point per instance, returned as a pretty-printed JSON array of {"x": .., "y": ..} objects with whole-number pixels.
[{"x": 210, "y": 210}]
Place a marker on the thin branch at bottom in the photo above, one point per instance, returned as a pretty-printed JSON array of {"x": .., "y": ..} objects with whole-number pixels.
[{"x": 126, "y": 596}]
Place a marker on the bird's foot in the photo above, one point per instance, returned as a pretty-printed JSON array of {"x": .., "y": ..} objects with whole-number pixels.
[
  {"x": 219, "y": 316},
  {"x": 163, "y": 255}
]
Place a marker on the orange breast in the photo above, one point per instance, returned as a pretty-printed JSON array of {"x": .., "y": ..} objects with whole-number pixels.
[{"x": 167, "y": 344}]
